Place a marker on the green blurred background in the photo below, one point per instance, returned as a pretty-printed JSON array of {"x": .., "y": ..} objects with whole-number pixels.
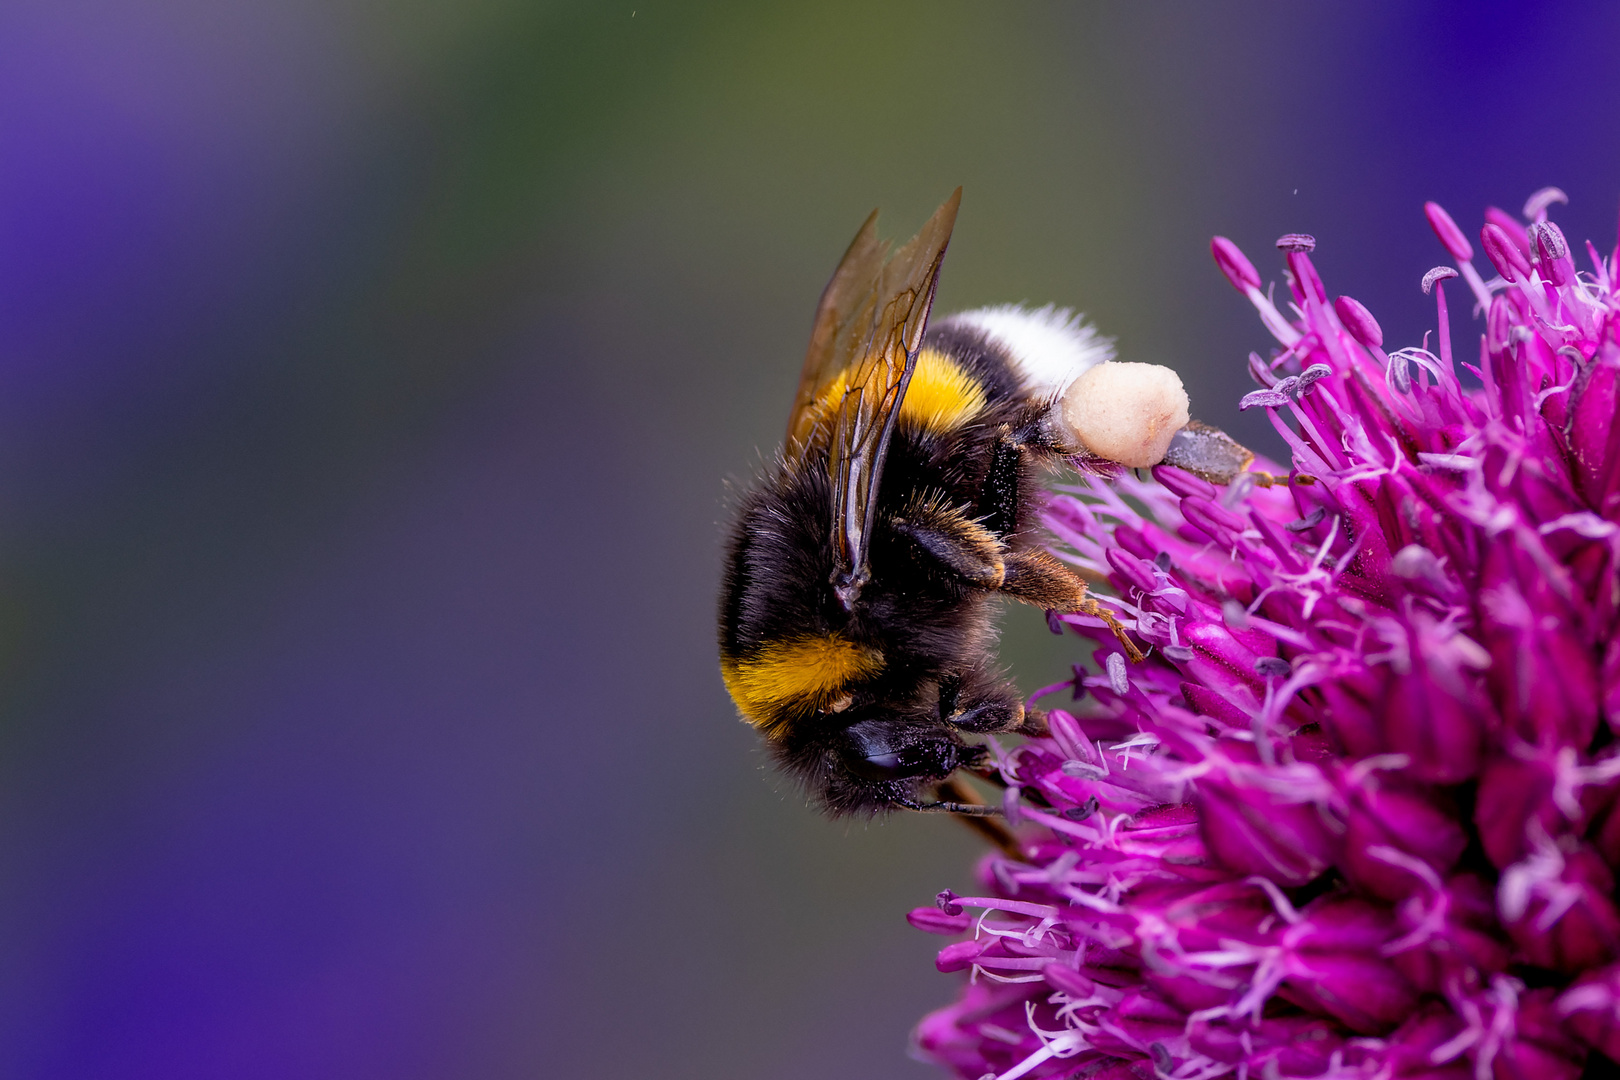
[{"x": 369, "y": 376}]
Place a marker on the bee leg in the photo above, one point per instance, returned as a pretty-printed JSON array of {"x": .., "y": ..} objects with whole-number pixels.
[
  {"x": 977, "y": 699},
  {"x": 1097, "y": 611},
  {"x": 998, "y": 501},
  {"x": 959, "y": 544},
  {"x": 1034, "y": 724},
  {"x": 1037, "y": 578}
]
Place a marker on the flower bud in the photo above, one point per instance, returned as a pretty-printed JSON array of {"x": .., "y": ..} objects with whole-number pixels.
[
  {"x": 1542, "y": 671},
  {"x": 1466, "y": 943},
  {"x": 1069, "y": 981},
  {"x": 1595, "y": 403},
  {"x": 1511, "y": 227},
  {"x": 1256, "y": 829},
  {"x": 1504, "y": 253},
  {"x": 1411, "y": 1047},
  {"x": 1143, "y": 1018},
  {"x": 931, "y": 920},
  {"x": 1385, "y": 813},
  {"x": 1557, "y": 908},
  {"x": 1337, "y": 966},
  {"x": 1184, "y": 483},
  {"x": 1446, "y": 229},
  {"x": 1234, "y": 264},
  {"x": 1277, "y": 1046},
  {"x": 1212, "y": 519},
  {"x": 1136, "y": 573},
  {"x": 1515, "y": 802},
  {"x": 1592, "y": 1009},
  {"x": 1359, "y": 321},
  {"x": 1436, "y": 715},
  {"x": 1540, "y": 1048},
  {"x": 958, "y": 955}
]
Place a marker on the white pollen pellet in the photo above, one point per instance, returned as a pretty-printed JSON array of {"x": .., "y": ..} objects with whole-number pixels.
[{"x": 1126, "y": 412}]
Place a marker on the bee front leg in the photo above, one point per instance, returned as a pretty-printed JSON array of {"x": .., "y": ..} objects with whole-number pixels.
[{"x": 977, "y": 701}]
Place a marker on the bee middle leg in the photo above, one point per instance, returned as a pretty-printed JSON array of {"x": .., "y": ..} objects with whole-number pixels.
[{"x": 1031, "y": 575}]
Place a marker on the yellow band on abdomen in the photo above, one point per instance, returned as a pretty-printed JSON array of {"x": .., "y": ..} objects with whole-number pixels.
[{"x": 802, "y": 672}]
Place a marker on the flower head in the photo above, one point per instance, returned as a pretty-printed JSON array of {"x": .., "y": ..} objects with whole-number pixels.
[{"x": 1358, "y": 815}]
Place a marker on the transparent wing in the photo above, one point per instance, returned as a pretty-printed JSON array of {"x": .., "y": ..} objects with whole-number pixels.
[{"x": 869, "y": 326}]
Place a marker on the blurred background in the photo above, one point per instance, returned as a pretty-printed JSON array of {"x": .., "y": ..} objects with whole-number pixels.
[{"x": 371, "y": 372}]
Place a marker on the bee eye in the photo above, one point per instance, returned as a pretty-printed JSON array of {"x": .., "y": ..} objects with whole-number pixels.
[
  {"x": 888, "y": 766},
  {"x": 884, "y": 751}
]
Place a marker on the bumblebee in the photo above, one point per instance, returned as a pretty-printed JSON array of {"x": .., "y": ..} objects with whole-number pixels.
[{"x": 857, "y": 612}]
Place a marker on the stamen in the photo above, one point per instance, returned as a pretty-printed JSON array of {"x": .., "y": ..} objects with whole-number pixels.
[
  {"x": 1084, "y": 810},
  {"x": 1552, "y": 253},
  {"x": 1399, "y": 374},
  {"x": 1439, "y": 273},
  {"x": 1117, "y": 679},
  {"x": 1308, "y": 522},
  {"x": 1296, "y": 242},
  {"x": 1535, "y": 207},
  {"x": 1272, "y": 667}
]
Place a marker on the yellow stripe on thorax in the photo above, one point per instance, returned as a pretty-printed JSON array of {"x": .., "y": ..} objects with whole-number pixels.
[
  {"x": 941, "y": 396},
  {"x": 801, "y": 672}
]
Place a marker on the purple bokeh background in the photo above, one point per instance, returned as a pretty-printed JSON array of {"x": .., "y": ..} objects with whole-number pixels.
[{"x": 368, "y": 376}]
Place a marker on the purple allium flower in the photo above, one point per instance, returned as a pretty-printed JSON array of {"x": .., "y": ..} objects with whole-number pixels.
[{"x": 1358, "y": 814}]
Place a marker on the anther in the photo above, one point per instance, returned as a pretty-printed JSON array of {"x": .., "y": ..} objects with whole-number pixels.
[
  {"x": 947, "y": 902},
  {"x": 1275, "y": 398},
  {"x": 1359, "y": 321},
  {"x": 1439, "y": 273},
  {"x": 1535, "y": 207},
  {"x": 1234, "y": 264},
  {"x": 1400, "y": 373},
  {"x": 1446, "y": 229},
  {"x": 1083, "y": 811},
  {"x": 1272, "y": 667},
  {"x": 1296, "y": 242},
  {"x": 1504, "y": 253},
  {"x": 1309, "y": 378},
  {"x": 1552, "y": 252},
  {"x": 1307, "y": 523},
  {"x": 1260, "y": 371},
  {"x": 1117, "y": 679},
  {"x": 1234, "y": 615}
]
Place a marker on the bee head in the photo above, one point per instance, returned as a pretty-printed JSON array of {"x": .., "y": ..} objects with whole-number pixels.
[{"x": 877, "y": 762}]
